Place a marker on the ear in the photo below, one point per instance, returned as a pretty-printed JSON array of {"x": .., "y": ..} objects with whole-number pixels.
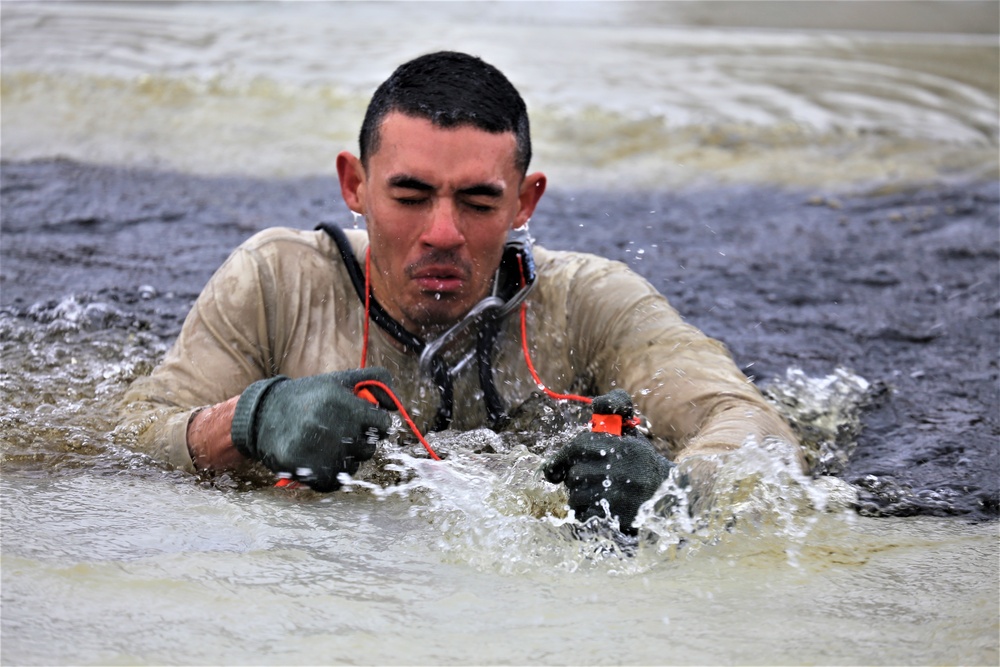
[
  {"x": 532, "y": 189},
  {"x": 352, "y": 181}
]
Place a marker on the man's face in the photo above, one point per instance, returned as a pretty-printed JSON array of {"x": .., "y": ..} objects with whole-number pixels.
[{"x": 438, "y": 204}]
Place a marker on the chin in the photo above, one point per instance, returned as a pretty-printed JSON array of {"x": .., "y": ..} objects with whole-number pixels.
[{"x": 438, "y": 314}]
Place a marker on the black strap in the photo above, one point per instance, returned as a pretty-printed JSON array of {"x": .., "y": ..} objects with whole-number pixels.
[
  {"x": 442, "y": 378},
  {"x": 485, "y": 339},
  {"x": 486, "y": 335},
  {"x": 377, "y": 312},
  {"x": 439, "y": 368}
]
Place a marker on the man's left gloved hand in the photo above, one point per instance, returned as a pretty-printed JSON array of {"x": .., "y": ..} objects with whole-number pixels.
[{"x": 624, "y": 470}]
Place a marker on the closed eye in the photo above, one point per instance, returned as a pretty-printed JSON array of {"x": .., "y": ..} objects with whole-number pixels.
[
  {"x": 481, "y": 198},
  {"x": 479, "y": 208}
]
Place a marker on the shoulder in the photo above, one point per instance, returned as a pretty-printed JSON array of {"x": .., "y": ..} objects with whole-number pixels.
[
  {"x": 282, "y": 258},
  {"x": 574, "y": 269},
  {"x": 276, "y": 244},
  {"x": 287, "y": 238}
]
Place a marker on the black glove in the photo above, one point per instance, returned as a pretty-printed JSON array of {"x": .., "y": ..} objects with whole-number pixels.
[
  {"x": 313, "y": 428},
  {"x": 625, "y": 470}
]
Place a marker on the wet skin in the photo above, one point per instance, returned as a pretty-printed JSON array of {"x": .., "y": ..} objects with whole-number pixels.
[{"x": 438, "y": 204}]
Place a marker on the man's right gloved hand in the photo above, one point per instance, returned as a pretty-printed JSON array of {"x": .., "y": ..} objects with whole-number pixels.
[
  {"x": 622, "y": 470},
  {"x": 313, "y": 428}
]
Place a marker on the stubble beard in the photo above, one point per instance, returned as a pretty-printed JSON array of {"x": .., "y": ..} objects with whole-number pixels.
[{"x": 432, "y": 313}]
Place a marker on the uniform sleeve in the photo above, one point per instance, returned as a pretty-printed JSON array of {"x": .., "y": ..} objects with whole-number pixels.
[
  {"x": 223, "y": 347},
  {"x": 686, "y": 384}
]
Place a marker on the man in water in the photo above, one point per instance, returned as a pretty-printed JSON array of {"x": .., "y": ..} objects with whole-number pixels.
[{"x": 440, "y": 303}]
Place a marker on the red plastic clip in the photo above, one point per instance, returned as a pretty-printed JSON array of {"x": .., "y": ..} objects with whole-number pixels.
[
  {"x": 606, "y": 424},
  {"x": 613, "y": 424}
]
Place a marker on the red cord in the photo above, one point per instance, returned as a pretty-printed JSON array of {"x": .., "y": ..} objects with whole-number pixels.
[
  {"x": 527, "y": 356},
  {"x": 359, "y": 387},
  {"x": 368, "y": 304},
  {"x": 364, "y": 384}
]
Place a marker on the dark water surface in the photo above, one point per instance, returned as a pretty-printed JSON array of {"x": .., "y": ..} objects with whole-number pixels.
[{"x": 900, "y": 288}]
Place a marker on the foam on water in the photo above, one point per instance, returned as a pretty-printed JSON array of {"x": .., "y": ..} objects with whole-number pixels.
[
  {"x": 495, "y": 510},
  {"x": 487, "y": 504},
  {"x": 64, "y": 363}
]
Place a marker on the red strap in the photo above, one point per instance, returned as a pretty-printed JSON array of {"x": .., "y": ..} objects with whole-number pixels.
[
  {"x": 361, "y": 390},
  {"x": 368, "y": 305},
  {"x": 527, "y": 357}
]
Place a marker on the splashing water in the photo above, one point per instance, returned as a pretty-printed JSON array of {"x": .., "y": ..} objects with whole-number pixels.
[
  {"x": 65, "y": 362},
  {"x": 825, "y": 412},
  {"x": 490, "y": 507},
  {"x": 487, "y": 503}
]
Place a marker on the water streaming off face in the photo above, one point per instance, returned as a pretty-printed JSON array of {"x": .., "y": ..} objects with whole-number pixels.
[{"x": 111, "y": 558}]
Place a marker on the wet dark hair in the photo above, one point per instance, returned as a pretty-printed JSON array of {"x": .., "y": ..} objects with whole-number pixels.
[{"x": 450, "y": 89}]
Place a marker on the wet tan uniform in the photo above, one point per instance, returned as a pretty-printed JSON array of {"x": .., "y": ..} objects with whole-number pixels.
[{"x": 283, "y": 304}]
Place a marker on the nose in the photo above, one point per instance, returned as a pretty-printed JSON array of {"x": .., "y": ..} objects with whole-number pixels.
[{"x": 444, "y": 229}]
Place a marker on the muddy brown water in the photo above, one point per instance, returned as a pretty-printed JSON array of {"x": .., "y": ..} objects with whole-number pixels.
[{"x": 898, "y": 287}]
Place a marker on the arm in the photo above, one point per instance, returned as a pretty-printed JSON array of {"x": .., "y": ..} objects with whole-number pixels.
[
  {"x": 209, "y": 437},
  {"x": 688, "y": 386},
  {"x": 222, "y": 348},
  {"x": 244, "y": 380},
  {"x": 626, "y": 336}
]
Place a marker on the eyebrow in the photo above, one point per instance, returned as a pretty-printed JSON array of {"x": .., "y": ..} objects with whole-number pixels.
[
  {"x": 413, "y": 183},
  {"x": 410, "y": 183},
  {"x": 483, "y": 190}
]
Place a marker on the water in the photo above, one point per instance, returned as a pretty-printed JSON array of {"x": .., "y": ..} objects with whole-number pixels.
[
  {"x": 714, "y": 112},
  {"x": 268, "y": 578},
  {"x": 623, "y": 94},
  {"x": 275, "y": 579}
]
